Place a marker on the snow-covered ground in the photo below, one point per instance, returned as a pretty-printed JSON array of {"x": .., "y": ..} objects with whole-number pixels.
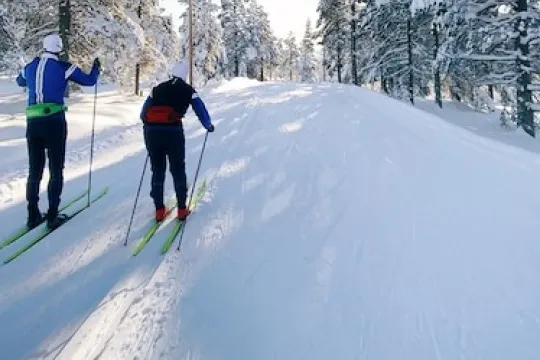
[{"x": 339, "y": 224}]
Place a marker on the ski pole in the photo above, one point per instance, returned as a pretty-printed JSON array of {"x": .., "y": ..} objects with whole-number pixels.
[
  {"x": 92, "y": 144},
  {"x": 136, "y": 200},
  {"x": 193, "y": 188}
]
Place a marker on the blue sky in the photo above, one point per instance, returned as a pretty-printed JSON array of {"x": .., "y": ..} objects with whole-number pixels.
[{"x": 285, "y": 15}]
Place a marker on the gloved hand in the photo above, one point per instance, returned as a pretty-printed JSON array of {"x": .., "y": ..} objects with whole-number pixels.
[
  {"x": 97, "y": 63},
  {"x": 210, "y": 128}
]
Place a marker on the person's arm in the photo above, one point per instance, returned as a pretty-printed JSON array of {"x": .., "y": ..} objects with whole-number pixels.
[
  {"x": 145, "y": 107},
  {"x": 202, "y": 113},
  {"x": 21, "y": 79},
  {"x": 75, "y": 74}
]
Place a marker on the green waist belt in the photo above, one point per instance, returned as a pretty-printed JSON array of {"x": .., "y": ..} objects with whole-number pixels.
[{"x": 44, "y": 110}]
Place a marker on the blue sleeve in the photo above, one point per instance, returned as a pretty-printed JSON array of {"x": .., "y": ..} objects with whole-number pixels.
[
  {"x": 21, "y": 79},
  {"x": 145, "y": 108},
  {"x": 201, "y": 111},
  {"x": 75, "y": 74}
]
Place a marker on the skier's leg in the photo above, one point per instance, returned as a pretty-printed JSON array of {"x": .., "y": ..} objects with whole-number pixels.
[
  {"x": 36, "y": 160},
  {"x": 176, "y": 152},
  {"x": 158, "y": 163},
  {"x": 56, "y": 149}
]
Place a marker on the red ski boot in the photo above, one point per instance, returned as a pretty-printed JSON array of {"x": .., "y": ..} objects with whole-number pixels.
[
  {"x": 183, "y": 213},
  {"x": 161, "y": 213}
]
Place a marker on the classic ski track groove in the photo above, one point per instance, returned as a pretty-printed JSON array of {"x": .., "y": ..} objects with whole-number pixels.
[
  {"x": 124, "y": 315},
  {"x": 113, "y": 329},
  {"x": 15, "y": 180},
  {"x": 344, "y": 282}
]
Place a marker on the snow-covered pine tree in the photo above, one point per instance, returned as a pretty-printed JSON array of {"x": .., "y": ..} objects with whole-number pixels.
[
  {"x": 23, "y": 24},
  {"x": 386, "y": 33},
  {"x": 426, "y": 38},
  {"x": 334, "y": 24},
  {"x": 109, "y": 29},
  {"x": 233, "y": 22},
  {"x": 270, "y": 58},
  {"x": 291, "y": 55},
  {"x": 279, "y": 71},
  {"x": 260, "y": 40},
  {"x": 496, "y": 46},
  {"x": 161, "y": 43},
  {"x": 307, "y": 56},
  {"x": 207, "y": 38},
  {"x": 112, "y": 31},
  {"x": 355, "y": 9},
  {"x": 460, "y": 72}
]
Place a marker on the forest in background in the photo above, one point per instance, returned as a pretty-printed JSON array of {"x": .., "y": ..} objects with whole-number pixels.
[{"x": 479, "y": 52}]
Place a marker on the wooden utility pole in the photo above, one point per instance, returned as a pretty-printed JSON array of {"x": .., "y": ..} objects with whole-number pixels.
[{"x": 191, "y": 42}]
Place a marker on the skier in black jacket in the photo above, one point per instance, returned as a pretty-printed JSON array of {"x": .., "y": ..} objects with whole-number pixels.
[{"x": 162, "y": 115}]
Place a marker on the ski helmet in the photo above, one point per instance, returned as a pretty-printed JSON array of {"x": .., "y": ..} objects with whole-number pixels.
[
  {"x": 180, "y": 70},
  {"x": 53, "y": 44}
]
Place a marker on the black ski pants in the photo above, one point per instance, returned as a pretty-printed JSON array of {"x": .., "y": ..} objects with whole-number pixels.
[
  {"x": 46, "y": 139},
  {"x": 163, "y": 143}
]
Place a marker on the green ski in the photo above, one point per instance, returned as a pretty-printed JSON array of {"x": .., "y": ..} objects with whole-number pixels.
[
  {"x": 178, "y": 226},
  {"x": 152, "y": 230},
  {"x": 46, "y": 231},
  {"x": 23, "y": 231}
]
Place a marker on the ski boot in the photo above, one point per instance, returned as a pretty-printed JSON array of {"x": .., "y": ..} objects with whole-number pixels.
[
  {"x": 183, "y": 213},
  {"x": 161, "y": 213},
  {"x": 35, "y": 217},
  {"x": 55, "y": 220}
]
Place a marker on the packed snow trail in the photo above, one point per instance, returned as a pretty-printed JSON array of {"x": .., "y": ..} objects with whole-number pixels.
[{"x": 339, "y": 224}]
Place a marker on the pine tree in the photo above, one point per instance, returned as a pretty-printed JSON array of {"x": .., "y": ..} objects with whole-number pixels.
[
  {"x": 335, "y": 30},
  {"x": 23, "y": 24},
  {"x": 493, "y": 40},
  {"x": 291, "y": 55},
  {"x": 261, "y": 40},
  {"x": 354, "y": 17},
  {"x": 233, "y": 21},
  {"x": 207, "y": 41},
  {"x": 280, "y": 72},
  {"x": 307, "y": 56}
]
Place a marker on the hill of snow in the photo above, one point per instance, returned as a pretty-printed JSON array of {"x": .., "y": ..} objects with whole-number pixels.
[{"x": 339, "y": 224}]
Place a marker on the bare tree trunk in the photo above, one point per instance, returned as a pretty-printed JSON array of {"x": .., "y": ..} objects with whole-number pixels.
[
  {"x": 354, "y": 64},
  {"x": 290, "y": 66},
  {"x": 138, "y": 65},
  {"x": 339, "y": 62},
  {"x": 64, "y": 22},
  {"x": 524, "y": 94},
  {"x": 410, "y": 55},
  {"x": 438, "y": 97},
  {"x": 324, "y": 63}
]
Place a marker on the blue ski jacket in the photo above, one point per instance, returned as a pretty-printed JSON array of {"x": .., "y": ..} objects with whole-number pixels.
[{"x": 46, "y": 79}]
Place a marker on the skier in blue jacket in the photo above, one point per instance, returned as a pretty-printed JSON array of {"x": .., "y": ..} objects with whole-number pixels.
[
  {"x": 162, "y": 115},
  {"x": 46, "y": 78}
]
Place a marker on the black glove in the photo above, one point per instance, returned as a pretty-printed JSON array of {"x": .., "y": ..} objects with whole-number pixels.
[
  {"x": 210, "y": 128},
  {"x": 97, "y": 63}
]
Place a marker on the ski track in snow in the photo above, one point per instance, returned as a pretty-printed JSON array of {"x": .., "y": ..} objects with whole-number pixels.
[{"x": 338, "y": 224}]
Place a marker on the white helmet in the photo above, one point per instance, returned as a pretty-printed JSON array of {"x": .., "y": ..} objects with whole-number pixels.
[
  {"x": 180, "y": 70},
  {"x": 53, "y": 44}
]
